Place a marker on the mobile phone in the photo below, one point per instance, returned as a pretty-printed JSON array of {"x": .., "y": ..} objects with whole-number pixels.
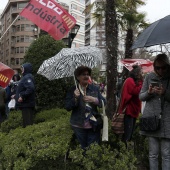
[{"x": 155, "y": 84}]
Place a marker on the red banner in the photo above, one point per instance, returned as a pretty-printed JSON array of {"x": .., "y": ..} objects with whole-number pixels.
[
  {"x": 50, "y": 17},
  {"x": 6, "y": 74},
  {"x": 147, "y": 65}
]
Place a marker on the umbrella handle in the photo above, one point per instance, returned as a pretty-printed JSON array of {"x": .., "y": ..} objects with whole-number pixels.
[{"x": 75, "y": 81}]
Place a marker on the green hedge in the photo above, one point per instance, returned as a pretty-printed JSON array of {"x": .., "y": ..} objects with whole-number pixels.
[
  {"x": 43, "y": 146},
  {"x": 39, "y": 146}
]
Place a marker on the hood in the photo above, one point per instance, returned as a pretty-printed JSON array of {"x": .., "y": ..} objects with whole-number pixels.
[{"x": 27, "y": 68}]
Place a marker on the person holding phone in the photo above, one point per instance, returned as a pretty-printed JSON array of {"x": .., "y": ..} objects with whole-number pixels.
[
  {"x": 130, "y": 104},
  {"x": 156, "y": 92}
]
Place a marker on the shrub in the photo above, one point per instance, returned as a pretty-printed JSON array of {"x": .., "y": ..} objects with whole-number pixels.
[
  {"x": 49, "y": 115},
  {"x": 14, "y": 121},
  {"x": 38, "y": 147}
]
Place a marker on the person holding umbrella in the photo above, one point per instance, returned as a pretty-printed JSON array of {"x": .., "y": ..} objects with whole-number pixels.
[
  {"x": 156, "y": 93},
  {"x": 83, "y": 101}
]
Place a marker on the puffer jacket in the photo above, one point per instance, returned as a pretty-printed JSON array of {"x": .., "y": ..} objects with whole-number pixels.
[
  {"x": 153, "y": 104},
  {"x": 26, "y": 88}
]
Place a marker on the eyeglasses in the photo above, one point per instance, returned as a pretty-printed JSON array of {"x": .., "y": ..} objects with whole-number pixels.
[
  {"x": 162, "y": 68},
  {"x": 85, "y": 74}
]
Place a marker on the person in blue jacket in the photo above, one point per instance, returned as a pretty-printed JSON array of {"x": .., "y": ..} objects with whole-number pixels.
[
  {"x": 83, "y": 102},
  {"x": 25, "y": 94}
]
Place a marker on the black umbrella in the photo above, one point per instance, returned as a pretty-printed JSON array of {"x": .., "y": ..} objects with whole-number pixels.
[{"x": 157, "y": 33}]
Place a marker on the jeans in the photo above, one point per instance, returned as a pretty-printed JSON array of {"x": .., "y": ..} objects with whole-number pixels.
[
  {"x": 154, "y": 144},
  {"x": 86, "y": 136}
]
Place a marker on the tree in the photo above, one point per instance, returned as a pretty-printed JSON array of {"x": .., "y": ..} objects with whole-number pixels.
[
  {"x": 49, "y": 94},
  {"x": 130, "y": 20},
  {"x": 111, "y": 28}
]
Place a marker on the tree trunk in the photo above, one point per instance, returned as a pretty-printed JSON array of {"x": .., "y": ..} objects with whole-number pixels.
[
  {"x": 128, "y": 43},
  {"x": 111, "y": 52},
  {"x": 128, "y": 51}
]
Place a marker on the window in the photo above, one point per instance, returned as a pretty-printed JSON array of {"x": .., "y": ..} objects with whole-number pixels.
[
  {"x": 27, "y": 27},
  {"x": 17, "y": 61},
  {"x": 22, "y": 27},
  {"x": 81, "y": 19},
  {"x": 22, "y": 5},
  {"x": 17, "y": 39},
  {"x": 81, "y": 28},
  {"x": 81, "y": 10},
  {"x": 74, "y": 15},
  {"x": 18, "y": 28},
  {"x": 22, "y": 38},
  {"x": 82, "y": 1},
  {"x": 12, "y": 61},
  {"x": 17, "y": 50},
  {"x": 27, "y": 39},
  {"x": 73, "y": 6},
  {"x": 21, "y": 49},
  {"x": 21, "y": 60}
]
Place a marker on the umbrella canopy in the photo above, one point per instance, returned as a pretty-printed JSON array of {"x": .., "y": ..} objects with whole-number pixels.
[
  {"x": 147, "y": 65},
  {"x": 64, "y": 63},
  {"x": 156, "y": 34},
  {"x": 6, "y": 74}
]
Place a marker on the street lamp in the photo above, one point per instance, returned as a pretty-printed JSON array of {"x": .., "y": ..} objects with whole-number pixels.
[{"x": 72, "y": 34}]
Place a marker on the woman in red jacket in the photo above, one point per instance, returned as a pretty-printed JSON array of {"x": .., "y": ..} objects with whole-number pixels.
[{"x": 130, "y": 104}]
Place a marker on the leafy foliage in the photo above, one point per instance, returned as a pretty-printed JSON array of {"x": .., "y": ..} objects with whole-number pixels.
[
  {"x": 49, "y": 94},
  {"x": 14, "y": 121},
  {"x": 44, "y": 146},
  {"x": 40, "y": 146}
]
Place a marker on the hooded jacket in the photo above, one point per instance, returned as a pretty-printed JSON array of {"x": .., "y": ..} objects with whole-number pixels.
[{"x": 26, "y": 88}]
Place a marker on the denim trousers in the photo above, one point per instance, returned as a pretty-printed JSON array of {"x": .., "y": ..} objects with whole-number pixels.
[
  {"x": 86, "y": 136},
  {"x": 155, "y": 146}
]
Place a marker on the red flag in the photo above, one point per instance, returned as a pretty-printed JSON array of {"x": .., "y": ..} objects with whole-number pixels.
[
  {"x": 6, "y": 74},
  {"x": 50, "y": 17},
  {"x": 147, "y": 65}
]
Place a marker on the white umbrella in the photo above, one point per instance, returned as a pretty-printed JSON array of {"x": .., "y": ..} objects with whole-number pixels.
[{"x": 67, "y": 60}]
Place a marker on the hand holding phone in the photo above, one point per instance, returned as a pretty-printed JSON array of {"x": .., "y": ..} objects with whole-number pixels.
[{"x": 155, "y": 84}]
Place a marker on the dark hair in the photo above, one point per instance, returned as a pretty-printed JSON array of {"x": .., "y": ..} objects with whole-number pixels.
[
  {"x": 134, "y": 73},
  {"x": 81, "y": 69},
  {"x": 161, "y": 58},
  {"x": 17, "y": 77}
]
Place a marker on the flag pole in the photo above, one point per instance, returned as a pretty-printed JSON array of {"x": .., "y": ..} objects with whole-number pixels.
[{"x": 9, "y": 27}]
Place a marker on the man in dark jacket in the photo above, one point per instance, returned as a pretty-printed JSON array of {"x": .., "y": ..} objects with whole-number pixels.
[
  {"x": 25, "y": 95},
  {"x": 3, "y": 98}
]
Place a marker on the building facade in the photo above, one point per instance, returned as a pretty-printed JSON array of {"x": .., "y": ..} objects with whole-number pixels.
[
  {"x": 18, "y": 32},
  {"x": 76, "y": 9},
  {"x": 95, "y": 33}
]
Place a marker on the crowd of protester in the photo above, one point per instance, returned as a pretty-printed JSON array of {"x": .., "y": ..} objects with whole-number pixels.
[{"x": 86, "y": 96}]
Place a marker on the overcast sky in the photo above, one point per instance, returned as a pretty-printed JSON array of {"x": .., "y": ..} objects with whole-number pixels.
[{"x": 155, "y": 9}]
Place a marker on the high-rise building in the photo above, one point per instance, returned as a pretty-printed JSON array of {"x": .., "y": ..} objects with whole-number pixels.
[
  {"x": 95, "y": 33},
  {"x": 76, "y": 9},
  {"x": 18, "y": 33}
]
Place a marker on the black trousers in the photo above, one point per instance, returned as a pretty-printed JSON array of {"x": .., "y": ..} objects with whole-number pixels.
[
  {"x": 129, "y": 125},
  {"x": 27, "y": 115}
]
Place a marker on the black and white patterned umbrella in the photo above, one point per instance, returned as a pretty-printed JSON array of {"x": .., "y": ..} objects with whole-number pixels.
[{"x": 67, "y": 60}]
